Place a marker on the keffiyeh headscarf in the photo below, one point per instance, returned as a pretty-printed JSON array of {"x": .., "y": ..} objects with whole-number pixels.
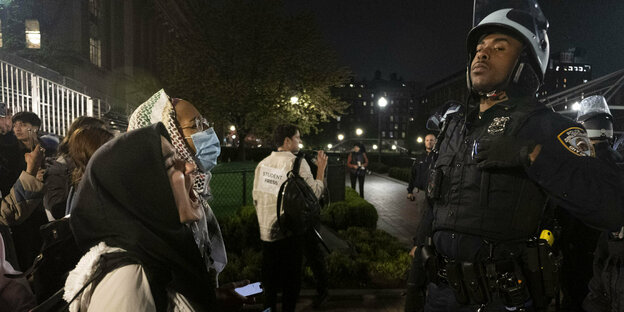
[{"x": 207, "y": 233}]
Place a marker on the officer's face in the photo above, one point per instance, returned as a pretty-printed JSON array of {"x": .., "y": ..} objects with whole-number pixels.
[
  {"x": 429, "y": 141},
  {"x": 495, "y": 57}
]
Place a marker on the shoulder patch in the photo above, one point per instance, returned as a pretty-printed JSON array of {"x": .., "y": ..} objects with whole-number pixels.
[{"x": 575, "y": 140}]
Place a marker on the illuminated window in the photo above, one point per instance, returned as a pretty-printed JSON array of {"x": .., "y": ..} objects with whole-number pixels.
[
  {"x": 364, "y": 103},
  {"x": 0, "y": 34},
  {"x": 391, "y": 118},
  {"x": 396, "y": 126},
  {"x": 403, "y": 135},
  {"x": 94, "y": 7},
  {"x": 33, "y": 35},
  {"x": 360, "y": 95},
  {"x": 391, "y": 134},
  {"x": 383, "y": 134},
  {"x": 95, "y": 51}
]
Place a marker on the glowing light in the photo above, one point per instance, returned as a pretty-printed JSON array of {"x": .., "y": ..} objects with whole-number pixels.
[
  {"x": 234, "y": 137},
  {"x": 576, "y": 106},
  {"x": 294, "y": 100},
  {"x": 340, "y": 137},
  {"x": 382, "y": 102},
  {"x": 375, "y": 146},
  {"x": 359, "y": 131},
  {"x": 300, "y": 146},
  {"x": 329, "y": 146},
  {"x": 232, "y": 128},
  {"x": 419, "y": 140},
  {"x": 393, "y": 147}
]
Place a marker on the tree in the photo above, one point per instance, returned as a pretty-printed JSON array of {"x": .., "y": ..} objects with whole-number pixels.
[{"x": 245, "y": 61}]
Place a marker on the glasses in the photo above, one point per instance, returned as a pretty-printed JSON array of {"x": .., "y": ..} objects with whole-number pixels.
[{"x": 200, "y": 123}]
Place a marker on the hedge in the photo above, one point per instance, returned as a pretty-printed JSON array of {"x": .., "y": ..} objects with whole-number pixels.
[
  {"x": 403, "y": 174},
  {"x": 353, "y": 211}
]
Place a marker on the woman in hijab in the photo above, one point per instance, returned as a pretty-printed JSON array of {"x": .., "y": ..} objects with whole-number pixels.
[
  {"x": 130, "y": 211},
  {"x": 196, "y": 143}
]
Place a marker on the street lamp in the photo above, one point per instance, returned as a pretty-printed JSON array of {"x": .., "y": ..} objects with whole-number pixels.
[
  {"x": 419, "y": 140},
  {"x": 375, "y": 146},
  {"x": 329, "y": 146},
  {"x": 359, "y": 131},
  {"x": 382, "y": 102},
  {"x": 232, "y": 128},
  {"x": 340, "y": 137}
]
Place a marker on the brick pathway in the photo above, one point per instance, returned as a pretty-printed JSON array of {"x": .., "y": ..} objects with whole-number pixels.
[{"x": 397, "y": 215}]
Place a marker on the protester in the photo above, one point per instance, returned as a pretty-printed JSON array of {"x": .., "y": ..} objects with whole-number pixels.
[
  {"x": 196, "y": 143},
  {"x": 357, "y": 163},
  {"x": 282, "y": 252},
  {"x": 139, "y": 247},
  {"x": 59, "y": 170}
]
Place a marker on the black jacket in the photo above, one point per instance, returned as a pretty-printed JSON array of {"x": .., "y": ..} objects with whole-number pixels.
[
  {"x": 420, "y": 172},
  {"x": 506, "y": 204}
]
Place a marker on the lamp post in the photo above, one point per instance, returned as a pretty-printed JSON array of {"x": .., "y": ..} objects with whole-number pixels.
[
  {"x": 382, "y": 102},
  {"x": 359, "y": 132}
]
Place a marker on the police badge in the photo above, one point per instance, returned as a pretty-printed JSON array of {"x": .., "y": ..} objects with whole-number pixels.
[
  {"x": 575, "y": 140},
  {"x": 498, "y": 125}
]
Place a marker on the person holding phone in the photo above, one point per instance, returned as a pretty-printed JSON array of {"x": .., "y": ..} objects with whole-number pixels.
[{"x": 357, "y": 163}]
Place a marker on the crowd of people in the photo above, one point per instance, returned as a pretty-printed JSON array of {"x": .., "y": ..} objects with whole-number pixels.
[{"x": 500, "y": 175}]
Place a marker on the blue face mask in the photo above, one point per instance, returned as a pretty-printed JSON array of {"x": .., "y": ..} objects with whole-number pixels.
[{"x": 208, "y": 149}]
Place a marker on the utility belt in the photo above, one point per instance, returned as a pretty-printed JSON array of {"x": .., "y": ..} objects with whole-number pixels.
[{"x": 519, "y": 281}]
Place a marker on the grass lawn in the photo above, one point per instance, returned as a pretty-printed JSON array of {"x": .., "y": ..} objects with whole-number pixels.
[{"x": 227, "y": 187}]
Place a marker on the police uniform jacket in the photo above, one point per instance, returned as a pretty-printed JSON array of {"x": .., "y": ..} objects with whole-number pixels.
[
  {"x": 477, "y": 207},
  {"x": 420, "y": 172}
]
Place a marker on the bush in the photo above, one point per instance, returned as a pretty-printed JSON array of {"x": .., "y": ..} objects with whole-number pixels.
[
  {"x": 353, "y": 211},
  {"x": 403, "y": 174},
  {"x": 241, "y": 235},
  {"x": 378, "y": 167}
]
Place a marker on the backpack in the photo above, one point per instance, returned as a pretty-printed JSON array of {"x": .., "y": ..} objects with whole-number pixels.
[{"x": 302, "y": 211}]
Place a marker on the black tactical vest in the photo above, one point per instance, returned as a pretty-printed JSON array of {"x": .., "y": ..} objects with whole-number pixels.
[{"x": 498, "y": 205}]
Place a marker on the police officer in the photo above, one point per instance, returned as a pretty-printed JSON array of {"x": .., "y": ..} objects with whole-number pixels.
[
  {"x": 497, "y": 164},
  {"x": 606, "y": 288},
  {"x": 577, "y": 241},
  {"x": 420, "y": 168}
]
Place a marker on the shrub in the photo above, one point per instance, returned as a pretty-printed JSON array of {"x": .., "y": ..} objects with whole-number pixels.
[
  {"x": 403, "y": 174},
  {"x": 378, "y": 167},
  {"x": 353, "y": 211}
]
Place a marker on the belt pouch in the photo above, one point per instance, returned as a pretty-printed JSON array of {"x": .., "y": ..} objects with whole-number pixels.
[
  {"x": 454, "y": 277},
  {"x": 472, "y": 280}
]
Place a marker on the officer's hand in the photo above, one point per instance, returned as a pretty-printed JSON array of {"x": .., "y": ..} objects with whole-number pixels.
[
  {"x": 412, "y": 252},
  {"x": 503, "y": 152},
  {"x": 410, "y": 196}
]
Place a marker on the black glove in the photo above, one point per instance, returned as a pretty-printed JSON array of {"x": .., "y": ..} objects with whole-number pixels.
[{"x": 503, "y": 152}]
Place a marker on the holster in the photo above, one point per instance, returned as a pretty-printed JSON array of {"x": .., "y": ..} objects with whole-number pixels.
[
  {"x": 430, "y": 260},
  {"x": 434, "y": 183}
]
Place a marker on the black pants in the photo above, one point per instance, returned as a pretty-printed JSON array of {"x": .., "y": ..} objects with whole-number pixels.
[
  {"x": 440, "y": 298},
  {"x": 281, "y": 269},
  {"x": 315, "y": 258},
  {"x": 360, "y": 179},
  {"x": 416, "y": 285}
]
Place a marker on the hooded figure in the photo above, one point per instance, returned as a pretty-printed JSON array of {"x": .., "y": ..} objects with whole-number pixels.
[
  {"x": 207, "y": 233},
  {"x": 126, "y": 203}
]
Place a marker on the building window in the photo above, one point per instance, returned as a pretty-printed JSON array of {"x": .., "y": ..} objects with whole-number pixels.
[
  {"x": 94, "y": 7},
  {"x": 364, "y": 103},
  {"x": 391, "y": 134},
  {"x": 0, "y": 34},
  {"x": 403, "y": 135},
  {"x": 396, "y": 126},
  {"x": 372, "y": 111},
  {"x": 391, "y": 118},
  {"x": 359, "y": 95},
  {"x": 383, "y": 134},
  {"x": 33, "y": 35},
  {"x": 95, "y": 51}
]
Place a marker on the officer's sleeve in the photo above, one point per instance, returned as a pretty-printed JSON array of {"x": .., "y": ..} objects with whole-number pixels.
[
  {"x": 589, "y": 188},
  {"x": 425, "y": 227}
]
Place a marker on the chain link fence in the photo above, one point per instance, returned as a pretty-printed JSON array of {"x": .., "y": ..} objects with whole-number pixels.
[{"x": 231, "y": 190}]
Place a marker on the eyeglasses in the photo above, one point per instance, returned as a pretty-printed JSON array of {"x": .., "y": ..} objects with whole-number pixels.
[{"x": 200, "y": 123}]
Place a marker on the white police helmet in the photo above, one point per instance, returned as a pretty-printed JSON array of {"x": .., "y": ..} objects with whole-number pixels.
[
  {"x": 595, "y": 116},
  {"x": 523, "y": 20}
]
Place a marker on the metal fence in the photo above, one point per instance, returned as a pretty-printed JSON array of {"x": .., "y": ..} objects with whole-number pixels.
[
  {"x": 230, "y": 191},
  {"x": 55, "y": 104}
]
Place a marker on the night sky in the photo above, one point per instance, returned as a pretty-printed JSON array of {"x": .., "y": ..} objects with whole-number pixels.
[{"x": 424, "y": 40}]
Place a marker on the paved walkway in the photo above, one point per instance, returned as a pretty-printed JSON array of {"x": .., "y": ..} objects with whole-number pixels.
[{"x": 397, "y": 215}]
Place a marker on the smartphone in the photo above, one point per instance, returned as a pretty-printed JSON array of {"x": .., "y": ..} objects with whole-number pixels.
[{"x": 249, "y": 290}]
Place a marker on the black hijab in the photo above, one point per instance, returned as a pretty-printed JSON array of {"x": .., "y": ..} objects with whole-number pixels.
[{"x": 125, "y": 200}]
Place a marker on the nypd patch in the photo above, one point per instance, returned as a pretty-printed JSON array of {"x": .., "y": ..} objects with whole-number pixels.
[
  {"x": 575, "y": 140},
  {"x": 498, "y": 125}
]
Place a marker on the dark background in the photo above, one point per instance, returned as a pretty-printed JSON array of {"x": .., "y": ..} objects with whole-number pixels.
[{"x": 424, "y": 40}]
